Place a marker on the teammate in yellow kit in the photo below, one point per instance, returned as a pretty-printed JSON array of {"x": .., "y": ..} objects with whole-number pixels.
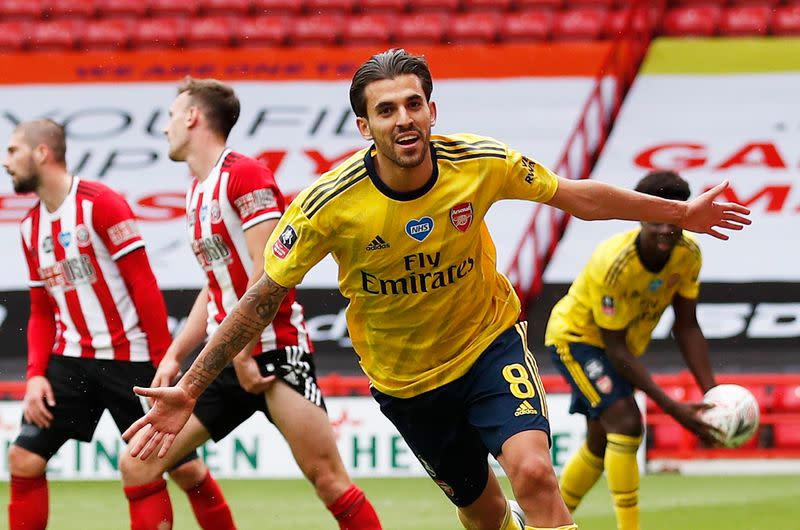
[
  {"x": 432, "y": 320},
  {"x": 597, "y": 332}
]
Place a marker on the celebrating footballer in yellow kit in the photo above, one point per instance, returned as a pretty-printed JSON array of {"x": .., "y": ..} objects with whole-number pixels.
[
  {"x": 435, "y": 325},
  {"x": 599, "y": 329}
]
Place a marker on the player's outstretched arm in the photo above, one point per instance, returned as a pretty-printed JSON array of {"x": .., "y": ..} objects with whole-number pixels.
[
  {"x": 172, "y": 406},
  {"x": 593, "y": 200}
]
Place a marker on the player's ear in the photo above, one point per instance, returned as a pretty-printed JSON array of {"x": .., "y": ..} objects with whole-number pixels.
[
  {"x": 432, "y": 106},
  {"x": 192, "y": 116},
  {"x": 40, "y": 153},
  {"x": 363, "y": 128}
]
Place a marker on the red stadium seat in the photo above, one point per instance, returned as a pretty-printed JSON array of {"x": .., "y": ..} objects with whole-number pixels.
[
  {"x": 164, "y": 32},
  {"x": 71, "y": 9},
  {"x": 584, "y": 24},
  {"x": 616, "y": 21},
  {"x": 20, "y": 9},
  {"x": 487, "y": 5},
  {"x": 786, "y": 20},
  {"x": 330, "y": 7},
  {"x": 173, "y": 8},
  {"x": 121, "y": 8},
  {"x": 438, "y": 6},
  {"x": 526, "y": 26},
  {"x": 14, "y": 35},
  {"x": 672, "y": 436},
  {"x": 786, "y": 398},
  {"x": 479, "y": 28},
  {"x": 550, "y": 5},
  {"x": 112, "y": 33},
  {"x": 383, "y": 6},
  {"x": 225, "y": 7},
  {"x": 265, "y": 30},
  {"x": 421, "y": 28},
  {"x": 692, "y": 21},
  {"x": 316, "y": 30},
  {"x": 374, "y": 28},
  {"x": 278, "y": 7},
  {"x": 209, "y": 32},
  {"x": 745, "y": 20},
  {"x": 56, "y": 34},
  {"x": 786, "y": 436}
]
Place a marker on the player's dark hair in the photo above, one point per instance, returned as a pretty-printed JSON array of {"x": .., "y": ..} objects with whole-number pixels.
[
  {"x": 217, "y": 101},
  {"x": 664, "y": 184},
  {"x": 387, "y": 65},
  {"x": 48, "y": 132}
]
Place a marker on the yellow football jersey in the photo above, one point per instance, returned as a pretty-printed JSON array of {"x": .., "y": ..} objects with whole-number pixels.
[
  {"x": 614, "y": 291},
  {"x": 418, "y": 268}
]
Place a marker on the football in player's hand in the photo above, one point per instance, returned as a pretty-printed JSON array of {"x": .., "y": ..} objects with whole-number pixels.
[{"x": 734, "y": 413}]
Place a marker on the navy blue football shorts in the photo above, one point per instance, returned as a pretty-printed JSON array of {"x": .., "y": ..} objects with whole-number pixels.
[
  {"x": 83, "y": 388},
  {"x": 594, "y": 381},
  {"x": 225, "y": 404},
  {"x": 452, "y": 429}
]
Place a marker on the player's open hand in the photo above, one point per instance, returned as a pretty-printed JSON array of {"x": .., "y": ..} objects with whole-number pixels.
[
  {"x": 38, "y": 395},
  {"x": 706, "y": 216},
  {"x": 172, "y": 407}
]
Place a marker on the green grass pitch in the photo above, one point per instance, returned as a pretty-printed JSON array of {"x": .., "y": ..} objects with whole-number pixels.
[{"x": 668, "y": 502}]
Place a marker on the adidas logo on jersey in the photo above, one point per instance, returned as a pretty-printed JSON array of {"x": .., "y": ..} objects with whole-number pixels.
[
  {"x": 525, "y": 408},
  {"x": 377, "y": 244}
]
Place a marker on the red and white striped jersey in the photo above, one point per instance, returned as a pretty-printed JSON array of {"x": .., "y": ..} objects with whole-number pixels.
[
  {"x": 72, "y": 254},
  {"x": 239, "y": 193}
]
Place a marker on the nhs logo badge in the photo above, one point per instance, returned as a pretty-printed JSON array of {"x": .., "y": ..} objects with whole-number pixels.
[{"x": 419, "y": 228}]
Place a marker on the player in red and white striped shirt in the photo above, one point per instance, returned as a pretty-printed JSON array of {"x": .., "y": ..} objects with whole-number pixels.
[
  {"x": 232, "y": 208},
  {"x": 98, "y": 323}
]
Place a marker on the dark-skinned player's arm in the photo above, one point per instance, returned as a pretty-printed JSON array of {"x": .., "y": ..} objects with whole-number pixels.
[
  {"x": 634, "y": 371},
  {"x": 692, "y": 342},
  {"x": 172, "y": 406}
]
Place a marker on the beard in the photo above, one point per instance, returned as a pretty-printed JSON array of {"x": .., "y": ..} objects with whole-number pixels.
[{"x": 27, "y": 185}]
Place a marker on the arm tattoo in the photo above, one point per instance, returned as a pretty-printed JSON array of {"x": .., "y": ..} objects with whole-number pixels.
[{"x": 254, "y": 311}]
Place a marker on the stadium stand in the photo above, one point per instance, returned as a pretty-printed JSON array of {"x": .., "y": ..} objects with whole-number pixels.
[{"x": 507, "y": 20}]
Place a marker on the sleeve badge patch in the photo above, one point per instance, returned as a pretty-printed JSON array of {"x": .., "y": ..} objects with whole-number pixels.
[{"x": 285, "y": 242}]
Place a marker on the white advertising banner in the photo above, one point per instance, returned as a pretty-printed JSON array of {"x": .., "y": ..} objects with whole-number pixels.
[
  {"x": 744, "y": 128},
  {"x": 300, "y": 128},
  {"x": 369, "y": 444}
]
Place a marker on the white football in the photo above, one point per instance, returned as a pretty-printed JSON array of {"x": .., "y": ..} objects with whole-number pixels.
[{"x": 735, "y": 413}]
